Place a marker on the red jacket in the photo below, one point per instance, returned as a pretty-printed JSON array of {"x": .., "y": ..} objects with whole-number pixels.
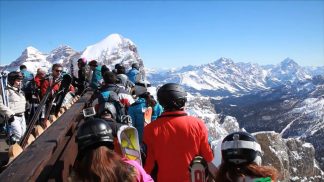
[
  {"x": 38, "y": 80},
  {"x": 46, "y": 84},
  {"x": 173, "y": 140}
]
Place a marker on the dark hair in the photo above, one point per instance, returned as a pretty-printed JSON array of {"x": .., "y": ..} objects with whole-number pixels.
[
  {"x": 22, "y": 67},
  {"x": 102, "y": 164},
  {"x": 135, "y": 65},
  {"x": 57, "y": 65},
  {"x": 121, "y": 70},
  {"x": 228, "y": 172},
  {"x": 14, "y": 75},
  {"x": 82, "y": 62},
  {"x": 109, "y": 77},
  {"x": 93, "y": 63},
  {"x": 104, "y": 68}
]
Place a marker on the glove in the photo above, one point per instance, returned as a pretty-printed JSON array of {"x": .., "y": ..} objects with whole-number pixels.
[{"x": 11, "y": 119}]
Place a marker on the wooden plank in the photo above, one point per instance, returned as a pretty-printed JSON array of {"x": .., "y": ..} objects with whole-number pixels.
[{"x": 42, "y": 154}]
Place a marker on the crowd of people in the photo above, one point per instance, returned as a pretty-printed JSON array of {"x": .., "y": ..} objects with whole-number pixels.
[{"x": 168, "y": 143}]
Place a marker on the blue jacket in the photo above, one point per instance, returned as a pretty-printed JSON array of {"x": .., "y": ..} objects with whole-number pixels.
[
  {"x": 137, "y": 115},
  {"x": 157, "y": 111},
  {"x": 96, "y": 77},
  {"x": 28, "y": 76},
  {"x": 132, "y": 74}
]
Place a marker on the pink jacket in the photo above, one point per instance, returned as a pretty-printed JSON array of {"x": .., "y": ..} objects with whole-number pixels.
[{"x": 142, "y": 176}]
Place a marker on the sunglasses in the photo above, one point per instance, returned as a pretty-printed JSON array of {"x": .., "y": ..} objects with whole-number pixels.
[{"x": 58, "y": 70}]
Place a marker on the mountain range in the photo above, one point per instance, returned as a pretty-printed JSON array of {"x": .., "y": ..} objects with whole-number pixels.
[
  {"x": 111, "y": 50},
  {"x": 286, "y": 98},
  {"x": 225, "y": 78}
]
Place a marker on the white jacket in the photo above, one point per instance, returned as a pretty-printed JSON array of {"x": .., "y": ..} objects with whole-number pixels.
[{"x": 17, "y": 102}]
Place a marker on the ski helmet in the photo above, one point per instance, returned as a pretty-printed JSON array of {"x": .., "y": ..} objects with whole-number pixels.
[
  {"x": 141, "y": 87},
  {"x": 93, "y": 133},
  {"x": 109, "y": 108},
  {"x": 14, "y": 75},
  {"x": 135, "y": 65},
  {"x": 172, "y": 96},
  {"x": 241, "y": 148}
]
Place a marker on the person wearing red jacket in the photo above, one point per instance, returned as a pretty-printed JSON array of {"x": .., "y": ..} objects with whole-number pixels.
[
  {"x": 56, "y": 74},
  {"x": 40, "y": 76},
  {"x": 174, "y": 138}
]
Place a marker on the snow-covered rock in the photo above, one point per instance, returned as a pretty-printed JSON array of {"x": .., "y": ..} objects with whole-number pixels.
[{"x": 294, "y": 159}]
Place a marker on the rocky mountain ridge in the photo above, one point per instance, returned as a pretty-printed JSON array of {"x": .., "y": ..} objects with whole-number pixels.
[{"x": 110, "y": 51}]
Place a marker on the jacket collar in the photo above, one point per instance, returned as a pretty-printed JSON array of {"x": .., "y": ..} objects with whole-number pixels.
[{"x": 172, "y": 113}]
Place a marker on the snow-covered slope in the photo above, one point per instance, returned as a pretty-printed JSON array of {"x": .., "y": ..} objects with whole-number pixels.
[
  {"x": 293, "y": 110},
  {"x": 226, "y": 78},
  {"x": 112, "y": 50},
  {"x": 109, "y": 51},
  {"x": 32, "y": 58}
]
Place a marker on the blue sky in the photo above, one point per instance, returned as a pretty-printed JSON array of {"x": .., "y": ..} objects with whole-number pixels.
[{"x": 171, "y": 33}]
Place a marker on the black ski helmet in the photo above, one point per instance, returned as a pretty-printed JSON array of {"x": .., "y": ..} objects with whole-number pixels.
[
  {"x": 241, "y": 148},
  {"x": 172, "y": 96},
  {"x": 109, "y": 108},
  {"x": 14, "y": 75},
  {"x": 94, "y": 132}
]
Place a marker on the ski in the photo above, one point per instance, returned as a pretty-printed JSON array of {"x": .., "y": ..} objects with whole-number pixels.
[
  {"x": 35, "y": 118},
  {"x": 148, "y": 115},
  {"x": 198, "y": 170},
  {"x": 129, "y": 143},
  {"x": 5, "y": 100},
  {"x": 63, "y": 90}
]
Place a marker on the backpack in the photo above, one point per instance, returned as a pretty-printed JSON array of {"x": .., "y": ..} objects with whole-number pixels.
[{"x": 105, "y": 96}]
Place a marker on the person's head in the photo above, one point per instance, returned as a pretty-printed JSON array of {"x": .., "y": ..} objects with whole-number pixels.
[
  {"x": 41, "y": 72},
  {"x": 104, "y": 68},
  {"x": 15, "y": 78},
  {"x": 22, "y": 67},
  {"x": 93, "y": 64},
  {"x": 121, "y": 69},
  {"x": 107, "y": 110},
  {"x": 241, "y": 148},
  {"x": 135, "y": 66},
  {"x": 172, "y": 96},
  {"x": 140, "y": 89},
  {"x": 117, "y": 66},
  {"x": 109, "y": 77},
  {"x": 96, "y": 160},
  {"x": 57, "y": 70},
  {"x": 93, "y": 133},
  {"x": 82, "y": 62},
  {"x": 241, "y": 156}
]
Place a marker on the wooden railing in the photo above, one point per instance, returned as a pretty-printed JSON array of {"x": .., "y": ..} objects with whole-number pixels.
[{"x": 51, "y": 156}]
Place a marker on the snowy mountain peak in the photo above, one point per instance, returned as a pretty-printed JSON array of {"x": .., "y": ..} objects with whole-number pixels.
[
  {"x": 61, "y": 47},
  {"x": 112, "y": 39},
  {"x": 62, "y": 54},
  {"x": 31, "y": 52},
  {"x": 288, "y": 64},
  {"x": 224, "y": 61},
  {"x": 112, "y": 50}
]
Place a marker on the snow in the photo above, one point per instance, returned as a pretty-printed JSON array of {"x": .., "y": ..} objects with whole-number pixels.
[
  {"x": 308, "y": 145},
  {"x": 107, "y": 45},
  {"x": 296, "y": 155}
]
